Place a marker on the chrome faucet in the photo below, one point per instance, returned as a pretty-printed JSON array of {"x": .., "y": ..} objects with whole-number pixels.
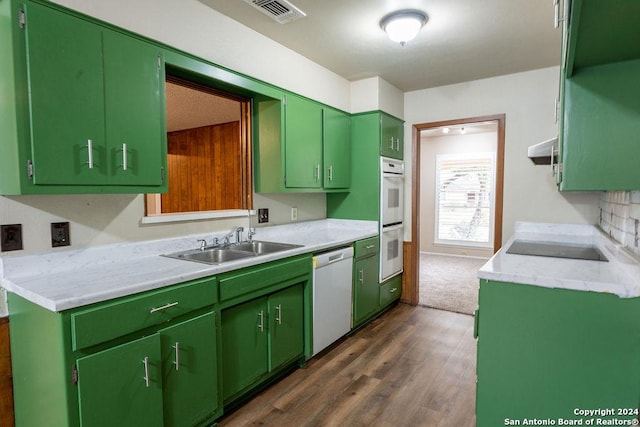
[{"x": 235, "y": 231}]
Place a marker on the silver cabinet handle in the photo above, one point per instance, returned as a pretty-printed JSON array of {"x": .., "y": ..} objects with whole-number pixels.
[
  {"x": 361, "y": 274},
  {"x": 164, "y": 307},
  {"x": 90, "y": 153},
  {"x": 370, "y": 246},
  {"x": 145, "y": 362},
  {"x": 391, "y": 143},
  {"x": 177, "y": 361},
  {"x": 124, "y": 157},
  {"x": 330, "y": 173},
  {"x": 318, "y": 172},
  {"x": 261, "y": 324},
  {"x": 392, "y": 290},
  {"x": 556, "y": 15},
  {"x": 279, "y": 314},
  {"x": 397, "y": 144}
]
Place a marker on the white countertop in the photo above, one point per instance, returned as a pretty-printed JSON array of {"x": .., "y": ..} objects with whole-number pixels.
[
  {"x": 620, "y": 275},
  {"x": 61, "y": 280}
]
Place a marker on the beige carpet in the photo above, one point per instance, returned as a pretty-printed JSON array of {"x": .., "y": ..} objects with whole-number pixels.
[{"x": 449, "y": 282}]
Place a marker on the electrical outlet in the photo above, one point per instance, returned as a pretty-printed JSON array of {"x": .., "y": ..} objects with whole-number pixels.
[
  {"x": 294, "y": 214},
  {"x": 10, "y": 237},
  {"x": 60, "y": 234},
  {"x": 263, "y": 215}
]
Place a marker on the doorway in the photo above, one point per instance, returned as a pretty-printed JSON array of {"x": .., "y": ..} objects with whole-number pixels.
[{"x": 470, "y": 239}]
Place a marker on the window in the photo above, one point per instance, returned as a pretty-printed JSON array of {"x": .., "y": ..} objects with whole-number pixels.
[
  {"x": 464, "y": 199},
  {"x": 209, "y": 153}
]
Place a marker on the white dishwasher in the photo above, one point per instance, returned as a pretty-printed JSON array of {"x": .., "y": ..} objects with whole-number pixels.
[{"x": 332, "y": 293}]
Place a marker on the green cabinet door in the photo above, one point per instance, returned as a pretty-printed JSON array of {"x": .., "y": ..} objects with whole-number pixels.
[
  {"x": 366, "y": 290},
  {"x": 336, "y": 148},
  {"x": 122, "y": 386},
  {"x": 66, "y": 98},
  {"x": 391, "y": 139},
  {"x": 303, "y": 143},
  {"x": 189, "y": 371},
  {"x": 286, "y": 330},
  {"x": 244, "y": 345},
  {"x": 134, "y": 94}
]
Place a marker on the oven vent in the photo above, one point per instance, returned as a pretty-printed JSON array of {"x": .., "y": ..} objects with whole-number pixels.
[{"x": 280, "y": 11}]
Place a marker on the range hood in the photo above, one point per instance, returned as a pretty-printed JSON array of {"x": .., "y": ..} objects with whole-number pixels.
[{"x": 540, "y": 154}]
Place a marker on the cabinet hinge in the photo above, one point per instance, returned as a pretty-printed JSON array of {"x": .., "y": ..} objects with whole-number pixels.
[
  {"x": 30, "y": 169},
  {"x": 284, "y": 100},
  {"x": 162, "y": 176},
  {"x": 560, "y": 167},
  {"x": 159, "y": 63},
  {"x": 74, "y": 375},
  {"x": 22, "y": 20}
]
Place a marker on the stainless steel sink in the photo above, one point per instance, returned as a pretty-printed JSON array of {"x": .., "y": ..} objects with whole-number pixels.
[
  {"x": 211, "y": 255},
  {"x": 262, "y": 248},
  {"x": 220, "y": 255},
  {"x": 556, "y": 250}
]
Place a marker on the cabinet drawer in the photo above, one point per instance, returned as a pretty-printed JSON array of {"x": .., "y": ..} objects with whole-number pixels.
[
  {"x": 390, "y": 290},
  {"x": 254, "y": 278},
  {"x": 111, "y": 320},
  {"x": 366, "y": 247}
]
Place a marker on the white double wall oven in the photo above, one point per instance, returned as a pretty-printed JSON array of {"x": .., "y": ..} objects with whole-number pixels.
[{"x": 391, "y": 217}]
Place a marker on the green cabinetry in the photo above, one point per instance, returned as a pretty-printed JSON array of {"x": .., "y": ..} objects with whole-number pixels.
[
  {"x": 266, "y": 322},
  {"x": 300, "y": 146},
  {"x": 366, "y": 291},
  {"x": 391, "y": 137},
  {"x": 87, "y": 113},
  {"x": 544, "y": 352},
  {"x": 600, "y": 120},
  {"x": 260, "y": 336},
  {"x": 151, "y": 360}
]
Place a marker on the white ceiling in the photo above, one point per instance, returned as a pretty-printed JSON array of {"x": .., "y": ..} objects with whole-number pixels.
[{"x": 464, "y": 40}]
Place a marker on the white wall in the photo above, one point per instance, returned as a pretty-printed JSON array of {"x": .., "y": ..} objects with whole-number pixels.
[
  {"x": 195, "y": 28},
  {"x": 376, "y": 94},
  {"x": 527, "y": 99},
  {"x": 430, "y": 147}
]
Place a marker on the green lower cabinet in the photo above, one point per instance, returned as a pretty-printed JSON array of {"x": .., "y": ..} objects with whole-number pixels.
[
  {"x": 366, "y": 291},
  {"x": 259, "y": 337},
  {"x": 121, "y": 386},
  {"x": 286, "y": 333},
  {"x": 390, "y": 290},
  {"x": 244, "y": 345},
  {"x": 190, "y": 371},
  {"x": 543, "y": 353}
]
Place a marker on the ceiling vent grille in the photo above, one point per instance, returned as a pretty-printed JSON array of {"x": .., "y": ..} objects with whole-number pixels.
[{"x": 280, "y": 11}]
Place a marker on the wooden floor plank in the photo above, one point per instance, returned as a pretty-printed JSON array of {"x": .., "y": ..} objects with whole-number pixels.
[{"x": 413, "y": 366}]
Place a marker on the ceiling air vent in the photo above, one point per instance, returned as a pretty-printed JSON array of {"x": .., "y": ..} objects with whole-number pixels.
[{"x": 280, "y": 11}]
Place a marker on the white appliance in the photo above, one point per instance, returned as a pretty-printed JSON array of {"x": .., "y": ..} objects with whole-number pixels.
[
  {"x": 332, "y": 293},
  {"x": 391, "y": 217}
]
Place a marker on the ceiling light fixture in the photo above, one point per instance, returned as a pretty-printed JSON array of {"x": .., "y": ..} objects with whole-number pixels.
[{"x": 403, "y": 25}]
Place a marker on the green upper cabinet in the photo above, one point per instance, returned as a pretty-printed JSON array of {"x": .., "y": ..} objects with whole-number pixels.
[
  {"x": 392, "y": 137},
  {"x": 303, "y": 143},
  {"x": 600, "y": 121},
  {"x": 300, "y": 146},
  {"x": 336, "y": 148},
  {"x": 92, "y": 119}
]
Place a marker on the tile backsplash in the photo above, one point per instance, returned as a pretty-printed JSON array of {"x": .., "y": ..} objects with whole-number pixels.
[{"x": 620, "y": 217}]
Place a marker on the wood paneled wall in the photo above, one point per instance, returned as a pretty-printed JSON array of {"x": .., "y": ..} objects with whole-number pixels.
[
  {"x": 201, "y": 159},
  {"x": 6, "y": 380}
]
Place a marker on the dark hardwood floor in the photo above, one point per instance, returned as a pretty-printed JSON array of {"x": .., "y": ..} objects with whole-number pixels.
[{"x": 413, "y": 366}]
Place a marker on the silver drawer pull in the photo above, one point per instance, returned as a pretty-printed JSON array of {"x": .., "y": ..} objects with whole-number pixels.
[
  {"x": 392, "y": 290},
  {"x": 370, "y": 246},
  {"x": 145, "y": 362},
  {"x": 164, "y": 307},
  {"x": 279, "y": 314}
]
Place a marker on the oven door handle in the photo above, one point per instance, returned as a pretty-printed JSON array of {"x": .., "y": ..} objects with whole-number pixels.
[{"x": 394, "y": 227}]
